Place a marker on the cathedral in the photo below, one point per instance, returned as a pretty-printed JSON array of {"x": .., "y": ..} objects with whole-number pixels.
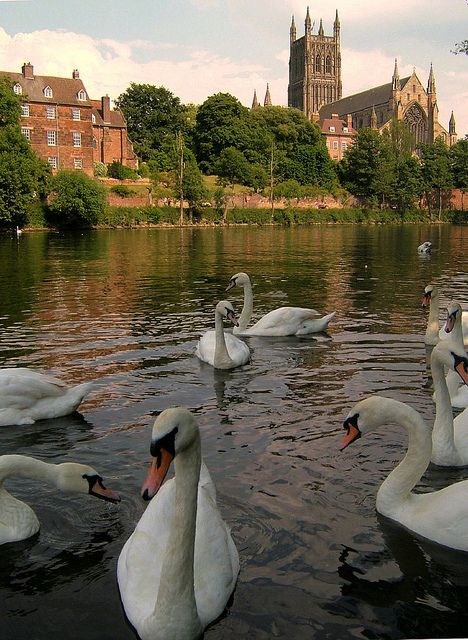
[{"x": 315, "y": 89}]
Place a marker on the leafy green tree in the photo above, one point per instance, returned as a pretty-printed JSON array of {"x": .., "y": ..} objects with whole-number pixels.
[
  {"x": 76, "y": 199},
  {"x": 23, "y": 176},
  {"x": 289, "y": 128},
  {"x": 459, "y": 165},
  {"x": 232, "y": 167},
  {"x": 153, "y": 116},
  {"x": 436, "y": 171},
  {"x": 193, "y": 187}
]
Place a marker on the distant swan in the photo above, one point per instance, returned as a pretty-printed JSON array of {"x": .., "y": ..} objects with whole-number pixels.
[
  {"x": 441, "y": 516},
  {"x": 425, "y": 247},
  {"x": 222, "y": 350},
  {"x": 17, "y": 520},
  {"x": 433, "y": 331},
  {"x": 27, "y": 396},
  {"x": 285, "y": 321},
  {"x": 179, "y": 567}
]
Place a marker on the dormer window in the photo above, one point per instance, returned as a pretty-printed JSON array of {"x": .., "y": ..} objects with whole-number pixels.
[
  {"x": 18, "y": 89},
  {"x": 345, "y": 129},
  {"x": 93, "y": 118},
  {"x": 332, "y": 129},
  {"x": 81, "y": 95},
  {"x": 48, "y": 92}
]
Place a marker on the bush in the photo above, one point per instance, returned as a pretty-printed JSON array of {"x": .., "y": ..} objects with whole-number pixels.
[
  {"x": 76, "y": 200},
  {"x": 123, "y": 191},
  {"x": 100, "y": 169},
  {"x": 120, "y": 172}
]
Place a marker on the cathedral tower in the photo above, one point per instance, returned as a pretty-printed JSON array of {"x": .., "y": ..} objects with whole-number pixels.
[{"x": 314, "y": 67}]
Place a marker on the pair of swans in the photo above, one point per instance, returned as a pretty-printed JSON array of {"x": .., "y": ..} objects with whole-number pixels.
[
  {"x": 27, "y": 396},
  {"x": 17, "y": 520},
  {"x": 434, "y": 332},
  {"x": 285, "y": 321},
  {"x": 179, "y": 567},
  {"x": 441, "y": 516}
]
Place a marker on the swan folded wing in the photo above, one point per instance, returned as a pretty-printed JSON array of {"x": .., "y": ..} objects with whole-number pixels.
[
  {"x": 21, "y": 390},
  {"x": 216, "y": 562},
  {"x": 284, "y": 319}
]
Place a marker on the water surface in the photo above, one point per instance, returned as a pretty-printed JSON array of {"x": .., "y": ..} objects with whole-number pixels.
[{"x": 125, "y": 308}]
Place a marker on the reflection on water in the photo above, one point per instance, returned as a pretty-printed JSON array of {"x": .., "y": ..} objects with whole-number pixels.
[{"x": 126, "y": 308}]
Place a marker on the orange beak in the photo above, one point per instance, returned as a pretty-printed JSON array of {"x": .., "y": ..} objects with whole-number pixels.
[
  {"x": 462, "y": 369},
  {"x": 426, "y": 299},
  {"x": 100, "y": 491},
  {"x": 352, "y": 435},
  {"x": 156, "y": 475},
  {"x": 449, "y": 323}
]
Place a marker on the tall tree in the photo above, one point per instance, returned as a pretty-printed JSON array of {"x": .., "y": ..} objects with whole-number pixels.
[
  {"x": 154, "y": 115},
  {"x": 436, "y": 171},
  {"x": 459, "y": 165},
  {"x": 23, "y": 176}
]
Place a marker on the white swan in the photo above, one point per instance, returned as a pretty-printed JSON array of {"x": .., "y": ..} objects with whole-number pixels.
[
  {"x": 285, "y": 321},
  {"x": 17, "y": 520},
  {"x": 179, "y": 567},
  {"x": 458, "y": 391},
  {"x": 425, "y": 247},
  {"x": 222, "y": 350},
  {"x": 433, "y": 332},
  {"x": 27, "y": 396},
  {"x": 441, "y": 516}
]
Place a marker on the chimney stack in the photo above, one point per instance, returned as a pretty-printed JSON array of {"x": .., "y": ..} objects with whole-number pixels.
[
  {"x": 27, "y": 70},
  {"x": 349, "y": 119},
  {"x": 75, "y": 74},
  {"x": 105, "y": 103}
]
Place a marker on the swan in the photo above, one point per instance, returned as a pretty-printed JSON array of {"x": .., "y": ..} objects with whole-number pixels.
[
  {"x": 179, "y": 567},
  {"x": 433, "y": 332},
  {"x": 27, "y": 396},
  {"x": 222, "y": 350},
  {"x": 440, "y": 516},
  {"x": 425, "y": 247},
  {"x": 458, "y": 391},
  {"x": 285, "y": 321},
  {"x": 17, "y": 520}
]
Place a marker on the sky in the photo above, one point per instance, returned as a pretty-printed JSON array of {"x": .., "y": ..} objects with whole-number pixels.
[{"x": 196, "y": 48}]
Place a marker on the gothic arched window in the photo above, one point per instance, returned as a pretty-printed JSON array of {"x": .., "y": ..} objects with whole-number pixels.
[
  {"x": 416, "y": 121},
  {"x": 318, "y": 66},
  {"x": 328, "y": 65}
]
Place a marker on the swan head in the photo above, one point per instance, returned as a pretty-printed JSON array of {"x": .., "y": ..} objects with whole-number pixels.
[
  {"x": 81, "y": 478},
  {"x": 225, "y": 309},
  {"x": 239, "y": 279},
  {"x": 430, "y": 292},
  {"x": 370, "y": 414},
  {"x": 174, "y": 431},
  {"x": 454, "y": 315},
  {"x": 452, "y": 357}
]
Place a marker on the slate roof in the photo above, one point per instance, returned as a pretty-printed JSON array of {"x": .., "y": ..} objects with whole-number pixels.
[
  {"x": 64, "y": 90},
  {"x": 360, "y": 101},
  {"x": 116, "y": 116},
  {"x": 339, "y": 124}
]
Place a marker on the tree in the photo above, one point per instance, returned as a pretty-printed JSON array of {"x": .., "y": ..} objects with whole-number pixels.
[
  {"x": 23, "y": 176},
  {"x": 459, "y": 165},
  {"x": 154, "y": 115},
  {"x": 76, "y": 199},
  {"x": 435, "y": 170}
]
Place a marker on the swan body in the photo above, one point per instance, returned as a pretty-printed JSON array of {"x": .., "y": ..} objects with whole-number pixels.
[
  {"x": 425, "y": 247},
  {"x": 433, "y": 332},
  {"x": 440, "y": 516},
  {"x": 27, "y": 396},
  {"x": 179, "y": 567},
  {"x": 222, "y": 350},
  {"x": 285, "y": 321},
  {"x": 17, "y": 520}
]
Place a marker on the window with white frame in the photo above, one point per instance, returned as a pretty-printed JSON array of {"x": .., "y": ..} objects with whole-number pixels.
[
  {"x": 26, "y": 131},
  {"x": 335, "y": 144},
  {"x": 78, "y": 163},
  {"x": 76, "y": 139},
  {"x": 17, "y": 88},
  {"x": 48, "y": 92},
  {"x": 25, "y": 109},
  {"x": 81, "y": 95},
  {"x": 51, "y": 138},
  {"x": 50, "y": 113},
  {"x": 345, "y": 129},
  {"x": 332, "y": 129},
  {"x": 76, "y": 114},
  {"x": 93, "y": 118},
  {"x": 52, "y": 160},
  {"x": 344, "y": 145}
]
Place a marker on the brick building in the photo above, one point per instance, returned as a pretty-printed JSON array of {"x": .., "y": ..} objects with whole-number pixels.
[
  {"x": 64, "y": 126},
  {"x": 338, "y": 134}
]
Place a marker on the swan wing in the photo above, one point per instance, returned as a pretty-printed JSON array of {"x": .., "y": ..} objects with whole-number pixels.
[
  {"x": 205, "y": 348},
  {"x": 237, "y": 349},
  {"x": 20, "y": 388},
  {"x": 284, "y": 321}
]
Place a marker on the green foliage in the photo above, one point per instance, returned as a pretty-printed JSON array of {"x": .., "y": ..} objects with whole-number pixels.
[
  {"x": 288, "y": 189},
  {"x": 153, "y": 115},
  {"x": 99, "y": 169},
  {"x": 123, "y": 191},
  {"x": 459, "y": 163},
  {"x": 232, "y": 166},
  {"x": 120, "y": 172},
  {"x": 24, "y": 177},
  {"x": 436, "y": 170},
  {"x": 76, "y": 200}
]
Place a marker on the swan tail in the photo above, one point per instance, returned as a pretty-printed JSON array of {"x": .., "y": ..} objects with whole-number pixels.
[{"x": 316, "y": 325}]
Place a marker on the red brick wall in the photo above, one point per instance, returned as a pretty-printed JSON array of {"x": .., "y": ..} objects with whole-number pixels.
[{"x": 111, "y": 143}]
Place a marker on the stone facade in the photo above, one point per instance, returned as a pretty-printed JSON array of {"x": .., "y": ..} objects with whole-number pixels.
[
  {"x": 63, "y": 125},
  {"x": 314, "y": 68},
  {"x": 405, "y": 99}
]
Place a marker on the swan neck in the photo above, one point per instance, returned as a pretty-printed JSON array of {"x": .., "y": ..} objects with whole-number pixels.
[
  {"x": 443, "y": 442},
  {"x": 396, "y": 488},
  {"x": 432, "y": 330},
  {"x": 247, "y": 309},
  {"x": 222, "y": 359},
  {"x": 177, "y": 573},
  {"x": 26, "y": 467}
]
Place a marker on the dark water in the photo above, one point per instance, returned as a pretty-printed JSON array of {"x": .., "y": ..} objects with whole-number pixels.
[{"x": 125, "y": 308}]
